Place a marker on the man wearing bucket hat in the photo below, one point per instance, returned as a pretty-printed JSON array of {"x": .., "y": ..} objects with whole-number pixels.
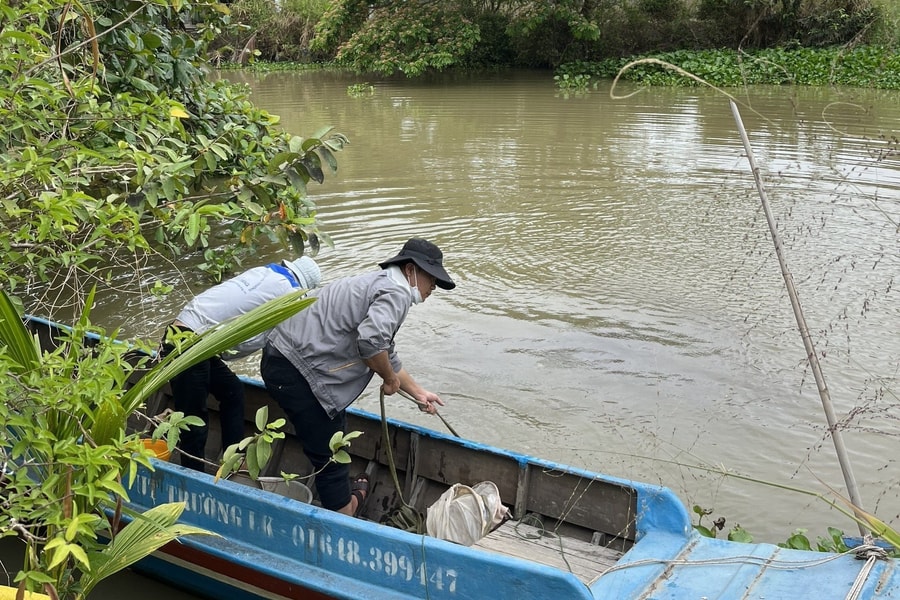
[
  {"x": 222, "y": 302},
  {"x": 317, "y": 362}
]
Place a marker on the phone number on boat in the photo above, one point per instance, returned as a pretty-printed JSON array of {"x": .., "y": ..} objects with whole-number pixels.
[{"x": 376, "y": 560}]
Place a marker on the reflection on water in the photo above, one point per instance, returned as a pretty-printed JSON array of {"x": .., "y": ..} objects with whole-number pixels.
[{"x": 619, "y": 304}]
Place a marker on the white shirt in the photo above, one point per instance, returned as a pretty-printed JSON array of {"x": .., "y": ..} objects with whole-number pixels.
[{"x": 235, "y": 297}]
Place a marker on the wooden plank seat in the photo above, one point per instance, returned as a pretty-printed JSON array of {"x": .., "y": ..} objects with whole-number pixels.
[{"x": 520, "y": 540}]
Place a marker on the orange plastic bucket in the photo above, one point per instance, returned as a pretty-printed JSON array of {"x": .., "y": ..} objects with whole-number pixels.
[{"x": 159, "y": 448}]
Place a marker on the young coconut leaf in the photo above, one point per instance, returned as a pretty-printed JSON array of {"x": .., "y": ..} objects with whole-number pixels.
[
  {"x": 148, "y": 532},
  {"x": 215, "y": 341},
  {"x": 20, "y": 344}
]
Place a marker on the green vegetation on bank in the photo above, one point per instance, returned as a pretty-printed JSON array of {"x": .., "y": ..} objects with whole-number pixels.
[
  {"x": 864, "y": 66},
  {"x": 867, "y": 66},
  {"x": 727, "y": 42},
  {"x": 275, "y": 31},
  {"x": 111, "y": 128}
]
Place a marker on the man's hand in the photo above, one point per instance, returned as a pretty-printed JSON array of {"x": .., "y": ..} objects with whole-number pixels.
[
  {"x": 429, "y": 401},
  {"x": 381, "y": 364},
  {"x": 391, "y": 385}
]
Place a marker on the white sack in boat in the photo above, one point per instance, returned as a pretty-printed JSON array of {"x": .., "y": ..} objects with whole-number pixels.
[{"x": 465, "y": 514}]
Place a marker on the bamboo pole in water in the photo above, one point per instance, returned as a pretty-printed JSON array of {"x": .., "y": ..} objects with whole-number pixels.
[{"x": 811, "y": 355}]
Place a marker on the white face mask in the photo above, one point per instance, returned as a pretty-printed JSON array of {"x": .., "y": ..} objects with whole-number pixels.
[{"x": 414, "y": 290}]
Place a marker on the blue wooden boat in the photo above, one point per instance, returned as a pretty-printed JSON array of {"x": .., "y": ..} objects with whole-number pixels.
[{"x": 575, "y": 534}]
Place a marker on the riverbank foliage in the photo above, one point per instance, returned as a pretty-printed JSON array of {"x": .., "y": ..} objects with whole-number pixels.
[
  {"x": 868, "y": 66},
  {"x": 278, "y": 32},
  {"x": 397, "y": 36},
  {"x": 117, "y": 144}
]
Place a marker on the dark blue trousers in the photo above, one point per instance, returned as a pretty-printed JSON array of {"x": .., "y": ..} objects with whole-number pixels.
[
  {"x": 190, "y": 390},
  {"x": 311, "y": 423}
]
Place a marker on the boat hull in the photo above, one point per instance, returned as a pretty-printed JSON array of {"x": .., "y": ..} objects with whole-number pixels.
[{"x": 275, "y": 547}]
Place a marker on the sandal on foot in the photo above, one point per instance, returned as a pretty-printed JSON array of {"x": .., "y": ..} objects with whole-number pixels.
[{"x": 360, "y": 489}]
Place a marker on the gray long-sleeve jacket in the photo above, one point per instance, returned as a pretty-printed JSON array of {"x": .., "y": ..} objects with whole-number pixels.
[{"x": 352, "y": 319}]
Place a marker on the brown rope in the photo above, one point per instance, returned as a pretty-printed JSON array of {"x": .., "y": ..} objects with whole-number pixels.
[{"x": 404, "y": 517}]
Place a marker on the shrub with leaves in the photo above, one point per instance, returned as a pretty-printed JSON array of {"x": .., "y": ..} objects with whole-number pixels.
[
  {"x": 416, "y": 36},
  {"x": 271, "y": 31},
  {"x": 117, "y": 144},
  {"x": 407, "y": 37}
]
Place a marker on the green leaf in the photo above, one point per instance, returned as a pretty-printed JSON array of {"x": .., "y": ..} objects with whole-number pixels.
[
  {"x": 280, "y": 159},
  {"x": 837, "y": 536},
  {"x": 143, "y": 85},
  {"x": 336, "y": 442},
  {"x": 62, "y": 551},
  {"x": 262, "y": 417},
  {"x": 78, "y": 553},
  {"x": 351, "y": 436},
  {"x": 109, "y": 419},
  {"x": 253, "y": 465},
  {"x": 328, "y": 157},
  {"x": 152, "y": 41},
  {"x": 168, "y": 185},
  {"x": 146, "y": 533},
  {"x": 25, "y": 38},
  {"x": 193, "y": 229},
  {"x": 321, "y": 133},
  {"x": 739, "y": 534},
  {"x": 313, "y": 165},
  {"x": 297, "y": 180},
  {"x": 705, "y": 532},
  {"x": 310, "y": 143},
  {"x": 263, "y": 453},
  {"x": 23, "y": 348},
  {"x": 221, "y": 150},
  {"x": 798, "y": 541},
  {"x": 231, "y": 462}
]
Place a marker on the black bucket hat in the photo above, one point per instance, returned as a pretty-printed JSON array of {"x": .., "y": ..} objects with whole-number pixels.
[{"x": 427, "y": 256}]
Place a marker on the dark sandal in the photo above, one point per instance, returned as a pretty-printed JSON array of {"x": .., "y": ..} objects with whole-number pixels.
[{"x": 360, "y": 489}]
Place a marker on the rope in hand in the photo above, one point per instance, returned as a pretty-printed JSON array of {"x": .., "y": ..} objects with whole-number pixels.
[{"x": 443, "y": 420}]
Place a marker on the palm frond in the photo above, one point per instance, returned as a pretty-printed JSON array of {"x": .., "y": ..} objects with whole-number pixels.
[
  {"x": 215, "y": 341},
  {"x": 14, "y": 335},
  {"x": 148, "y": 532}
]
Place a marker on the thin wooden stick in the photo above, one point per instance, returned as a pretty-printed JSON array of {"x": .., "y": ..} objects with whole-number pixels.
[{"x": 811, "y": 354}]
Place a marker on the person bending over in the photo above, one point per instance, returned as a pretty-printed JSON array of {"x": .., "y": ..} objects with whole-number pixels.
[
  {"x": 317, "y": 362},
  {"x": 227, "y": 300}
]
